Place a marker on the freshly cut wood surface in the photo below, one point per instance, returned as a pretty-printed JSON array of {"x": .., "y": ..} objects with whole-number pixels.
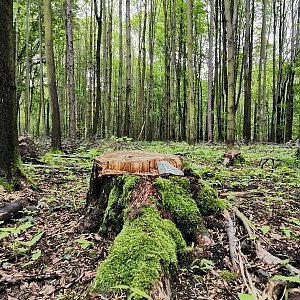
[{"x": 134, "y": 162}]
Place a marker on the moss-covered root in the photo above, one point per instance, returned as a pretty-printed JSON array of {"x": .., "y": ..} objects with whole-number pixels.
[{"x": 141, "y": 251}]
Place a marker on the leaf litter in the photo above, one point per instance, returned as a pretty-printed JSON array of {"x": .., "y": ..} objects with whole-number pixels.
[{"x": 67, "y": 258}]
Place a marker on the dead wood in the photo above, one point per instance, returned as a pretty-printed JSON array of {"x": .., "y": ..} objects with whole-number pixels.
[
  {"x": 10, "y": 210},
  {"x": 162, "y": 289},
  {"x": 231, "y": 157},
  {"x": 231, "y": 238},
  {"x": 275, "y": 162},
  {"x": 243, "y": 194},
  {"x": 9, "y": 281}
]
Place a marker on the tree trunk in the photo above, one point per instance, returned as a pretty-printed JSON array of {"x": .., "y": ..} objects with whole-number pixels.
[
  {"x": 191, "y": 137},
  {"x": 128, "y": 71},
  {"x": 42, "y": 98},
  {"x": 149, "y": 115},
  {"x": 70, "y": 70},
  {"x": 229, "y": 19},
  {"x": 120, "y": 80},
  {"x": 27, "y": 78},
  {"x": 98, "y": 76},
  {"x": 56, "y": 131},
  {"x": 210, "y": 71},
  {"x": 247, "y": 78},
  {"x": 10, "y": 161}
]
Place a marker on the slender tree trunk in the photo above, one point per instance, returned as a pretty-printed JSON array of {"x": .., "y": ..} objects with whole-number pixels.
[
  {"x": 247, "y": 78},
  {"x": 210, "y": 72},
  {"x": 166, "y": 117},
  {"x": 56, "y": 131},
  {"x": 274, "y": 107},
  {"x": 181, "y": 129},
  {"x": 42, "y": 98},
  {"x": 128, "y": 70},
  {"x": 27, "y": 78},
  {"x": 191, "y": 137},
  {"x": 140, "y": 89},
  {"x": 231, "y": 74},
  {"x": 291, "y": 76},
  {"x": 143, "y": 75},
  {"x": 149, "y": 115},
  {"x": 173, "y": 72},
  {"x": 70, "y": 71},
  {"x": 98, "y": 76},
  {"x": 120, "y": 82}
]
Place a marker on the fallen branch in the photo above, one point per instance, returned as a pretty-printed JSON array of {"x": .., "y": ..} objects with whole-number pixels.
[
  {"x": 241, "y": 194},
  {"x": 231, "y": 238},
  {"x": 263, "y": 161},
  {"x": 9, "y": 210},
  {"x": 10, "y": 280}
]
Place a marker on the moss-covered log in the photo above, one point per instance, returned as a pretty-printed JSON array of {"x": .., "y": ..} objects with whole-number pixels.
[{"x": 153, "y": 217}]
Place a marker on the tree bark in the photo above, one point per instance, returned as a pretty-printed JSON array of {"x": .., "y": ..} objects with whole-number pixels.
[
  {"x": 70, "y": 70},
  {"x": 128, "y": 70},
  {"x": 55, "y": 116},
  {"x": 210, "y": 71},
  {"x": 10, "y": 162},
  {"x": 191, "y": 137},
  {"x": 120, "y": 80},
  {"x": 229, "y": 19},
  {"x": 247, "y": 78}
]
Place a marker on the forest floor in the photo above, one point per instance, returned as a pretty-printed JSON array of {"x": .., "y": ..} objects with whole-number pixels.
[{"x": 45, "y": 255}]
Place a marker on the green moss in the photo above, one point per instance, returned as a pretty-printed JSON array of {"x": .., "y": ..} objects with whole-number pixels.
[
  {"x": 177, "y": 198},
  {"x": 208, "y": 199},
  {"x": 120, "y": 194},
  {"x": 228, "y": 276},
  {"x": 129, "y": 182},
  {"x": 8, "y": 186},
  {"x": 140, "y": 250}
]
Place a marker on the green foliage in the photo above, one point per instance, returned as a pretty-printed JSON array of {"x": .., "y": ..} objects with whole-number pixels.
[
  {"x": 265, "y": 229},
  {"x": 83, "y": 243},
  {"x": 295, "y": 279},
  {"x": 142, "y": 248},
  {"x": 245, "y": 296},
  {"x": 203, "y": 265}
]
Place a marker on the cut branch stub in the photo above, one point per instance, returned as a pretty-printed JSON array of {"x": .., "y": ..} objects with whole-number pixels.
[{"x": 136, "y": 162}]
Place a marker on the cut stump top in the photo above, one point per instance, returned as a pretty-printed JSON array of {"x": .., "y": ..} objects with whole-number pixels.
[{"x": 136, "y": 162}]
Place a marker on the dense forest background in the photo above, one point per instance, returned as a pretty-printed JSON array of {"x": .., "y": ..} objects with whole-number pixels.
[{"x": 159, "y": 70}]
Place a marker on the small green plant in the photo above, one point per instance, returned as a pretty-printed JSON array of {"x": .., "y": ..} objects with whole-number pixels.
[
  {"x": 286, "y": 231},
  {"x": 203, "y": 265},
  {"x": 245, "y": 296},
  {"x": 228, "y": 276},
  {"x": 83, "y": 243},
  {"x": 265, "y": 229},
  {"x": 134, "y": 292}
]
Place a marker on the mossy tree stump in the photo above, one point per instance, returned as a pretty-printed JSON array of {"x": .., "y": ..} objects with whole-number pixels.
[{"x": 154, "y": 213}]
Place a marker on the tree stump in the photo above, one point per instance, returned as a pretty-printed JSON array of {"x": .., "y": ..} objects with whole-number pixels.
[{"x": 147, "y": 202}]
